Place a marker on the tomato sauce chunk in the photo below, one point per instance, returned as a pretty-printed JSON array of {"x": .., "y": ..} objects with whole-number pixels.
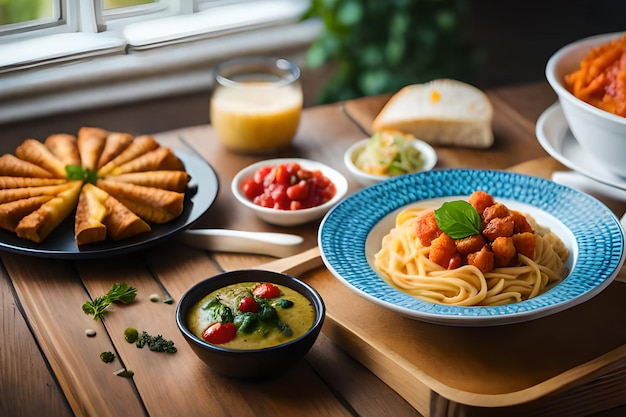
[{"x": 289, "y": 187}]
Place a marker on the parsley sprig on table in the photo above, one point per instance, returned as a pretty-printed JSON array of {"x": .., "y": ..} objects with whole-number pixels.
[{"x": 119, "y": 292}]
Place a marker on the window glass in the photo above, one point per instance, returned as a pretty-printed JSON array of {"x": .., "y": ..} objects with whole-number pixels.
[
  {"x": 27, "y": 11},
  {"x": 115, "y": 4}
]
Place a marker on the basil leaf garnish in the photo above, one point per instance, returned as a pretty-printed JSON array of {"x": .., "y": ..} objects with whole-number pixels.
[
  {"x": 458, "y": 219},
  {"x": 74, "y": 172},
  {"x": 77, "y": 172}
]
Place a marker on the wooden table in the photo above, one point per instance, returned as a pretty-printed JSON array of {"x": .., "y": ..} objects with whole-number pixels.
[{"x": 48, "y": 367}]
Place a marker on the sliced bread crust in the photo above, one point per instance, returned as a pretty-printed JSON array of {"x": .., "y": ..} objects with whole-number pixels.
[{"x": 441, "y": 112}]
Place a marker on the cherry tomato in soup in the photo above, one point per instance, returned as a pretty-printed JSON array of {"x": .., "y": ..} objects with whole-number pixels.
[
  {"x": 218, "y": 333},
  {"x": 248, "y": 304},
  {"x": 266, "y": 290},
  {"x": 288, "y": 187}
]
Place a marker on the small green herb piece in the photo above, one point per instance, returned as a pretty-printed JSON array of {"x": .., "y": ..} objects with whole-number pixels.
[
  {"x": 107, "y": 357},
  {"x": 131, "y": 334},
  {"x": 246, "y": 322},
  {"x": 155, "y": 343},
  {"x": 122, "y": 292},
  {"x": 458, "y": 219},
  {"x": 283, "y": 303},
  {"x": 97, "y": 307},
  {"x": 218, "y": 311},
  {"x": 119, "y": 292},
  {"x": 78, "y": 172}
]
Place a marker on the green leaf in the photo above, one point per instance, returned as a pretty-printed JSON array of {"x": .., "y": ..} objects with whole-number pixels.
[
  {"x": 97, "y": 307},
  {"x": 122, "y": 292},
  {"x": 77, "y": 172},
  {"x": 74, "y": 172},
  {"x": 458, "y": 219}
]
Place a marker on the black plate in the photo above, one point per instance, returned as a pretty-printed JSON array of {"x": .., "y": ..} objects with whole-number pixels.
[{"x": 201, "y": 192}]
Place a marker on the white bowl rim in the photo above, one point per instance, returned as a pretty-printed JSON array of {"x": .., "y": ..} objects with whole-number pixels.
[
  {"x": 340, "y": 181},
  {"x": 557, "y": 84},
  {"x": 425, "y": 148}
]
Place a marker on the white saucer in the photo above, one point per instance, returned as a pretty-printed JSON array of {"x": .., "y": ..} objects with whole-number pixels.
[{"x": 556, "y": 138}]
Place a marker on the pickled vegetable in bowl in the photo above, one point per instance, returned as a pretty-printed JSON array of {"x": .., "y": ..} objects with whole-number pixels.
[{"x": 390, "y": 153}]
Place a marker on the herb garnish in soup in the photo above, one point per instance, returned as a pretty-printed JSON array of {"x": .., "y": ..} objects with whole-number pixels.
[{"x": 251, "y": 315}]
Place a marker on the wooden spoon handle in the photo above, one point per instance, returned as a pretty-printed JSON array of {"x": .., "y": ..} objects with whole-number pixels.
[{"x": 296, "y": 264}]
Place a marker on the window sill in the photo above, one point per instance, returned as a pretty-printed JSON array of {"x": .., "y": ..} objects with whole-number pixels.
[
  {"x": 51, "y": 49},
  {"x": 142, "y": 74}
]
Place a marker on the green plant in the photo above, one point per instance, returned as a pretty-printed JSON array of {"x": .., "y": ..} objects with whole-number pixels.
[{"x": 380, "y": 46}]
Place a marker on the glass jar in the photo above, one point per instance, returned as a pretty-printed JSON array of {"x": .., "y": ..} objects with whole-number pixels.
[{"x": 256, "y": 103}]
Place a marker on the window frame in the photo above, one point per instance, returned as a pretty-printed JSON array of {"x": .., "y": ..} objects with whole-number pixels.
[
  {"x": 124, "y": 73},
  {"x": 63, "y": 20}
]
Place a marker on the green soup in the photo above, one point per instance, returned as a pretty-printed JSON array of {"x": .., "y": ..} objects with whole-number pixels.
[{"x": 294, "y": 316}]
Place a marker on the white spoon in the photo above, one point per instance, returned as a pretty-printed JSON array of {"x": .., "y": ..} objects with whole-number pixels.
[{"x": 223, "y": 240}]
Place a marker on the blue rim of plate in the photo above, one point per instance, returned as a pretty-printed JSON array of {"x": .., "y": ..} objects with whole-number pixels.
[{"x": 597, "y": 258}]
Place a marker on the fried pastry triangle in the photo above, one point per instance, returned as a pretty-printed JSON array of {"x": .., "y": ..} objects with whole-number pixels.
[
  {"x": 37, "y": 225},
  {"x": 88, "y": 226},
  {"x": 12, "y": 212},
  {"x": 121, "y": 222},
  {"x": 159, "y": 159},
  {"x": 148, "y": 212},
  {"x": 149, "y": 203},
  {"x": 91, "y": 142},
  {"x": 64, "y": 147},
  {"x": 20, "y": 182},
  {"x": 165, "y": 180},
  {"x": 13, "y": 166},
  {"x": 99, "y": 215},
  {"x": 12, "y": 194},
  {"x": 33, "y": 151},
  {"x": 139, "y": 146},
  {"x": 116, "y": 142}
]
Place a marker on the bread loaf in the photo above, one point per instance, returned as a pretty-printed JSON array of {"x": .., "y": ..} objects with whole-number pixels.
[{"x": 441, "y": 112}]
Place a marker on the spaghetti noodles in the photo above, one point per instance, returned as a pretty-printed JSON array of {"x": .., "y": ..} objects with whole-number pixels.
[{"x": 406, "y": 263}]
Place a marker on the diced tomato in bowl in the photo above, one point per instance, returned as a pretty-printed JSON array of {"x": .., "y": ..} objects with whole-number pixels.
[{"x": 287, "y": 191}]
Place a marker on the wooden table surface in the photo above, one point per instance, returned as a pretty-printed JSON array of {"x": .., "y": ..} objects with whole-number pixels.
[{"x": 48, "y": 367}]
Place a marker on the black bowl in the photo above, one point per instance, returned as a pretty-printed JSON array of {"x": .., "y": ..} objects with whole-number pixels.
[{"x": 253, "y": 363}]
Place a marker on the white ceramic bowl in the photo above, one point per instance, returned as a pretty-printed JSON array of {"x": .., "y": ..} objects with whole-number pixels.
[
  {"x": 599, "y": 132},
  {"x": 290, "y": 217},
  {"x": 428, "y": 154}
]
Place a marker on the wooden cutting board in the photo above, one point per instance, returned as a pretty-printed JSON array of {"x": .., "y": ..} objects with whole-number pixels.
[{"x": 576, "y": 358}]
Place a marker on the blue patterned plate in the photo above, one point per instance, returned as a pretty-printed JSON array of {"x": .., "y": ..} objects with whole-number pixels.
[{"x": 350, "y": 235}]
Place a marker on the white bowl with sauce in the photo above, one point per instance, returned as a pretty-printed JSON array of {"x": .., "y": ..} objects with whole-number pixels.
[
  {"x": 428, "y": 154},
  {"x": 601, "y": 133},
  {"x": 281, "y": 217}
]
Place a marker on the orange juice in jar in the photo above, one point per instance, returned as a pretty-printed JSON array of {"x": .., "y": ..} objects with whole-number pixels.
[{"x": 256, "y": 104}]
